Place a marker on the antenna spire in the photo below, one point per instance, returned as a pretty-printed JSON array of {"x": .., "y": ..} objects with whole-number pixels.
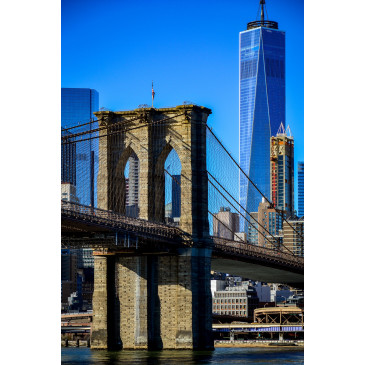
[{"x": 262, "y": 3}]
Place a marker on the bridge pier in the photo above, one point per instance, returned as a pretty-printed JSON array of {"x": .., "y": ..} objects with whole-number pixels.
[{"x": 153, "y": 302}]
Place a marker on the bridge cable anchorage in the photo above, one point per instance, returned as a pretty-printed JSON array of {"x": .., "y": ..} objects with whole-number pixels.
[
  {"x": 68, "y": 137},
  {"x": 253, "y": 184}
]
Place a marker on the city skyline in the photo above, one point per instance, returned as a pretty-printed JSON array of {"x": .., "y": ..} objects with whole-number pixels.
[{"x": 186, "y": 62}]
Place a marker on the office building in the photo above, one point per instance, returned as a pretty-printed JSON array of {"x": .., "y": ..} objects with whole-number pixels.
[
  {"x": 239, "y": 301},
  {"x": 262, "y": 104},
  {"x": 68, "y": 274},
  {"x": 68, "y": 192},
  {"x": 294, "y": 237},
  {"x": 270, "y": 225},
  {"x": 265, "y": 227},
  {"x": 217, "y": 285},
  {"x": 78, "y": 174},
  {"x": 176, "y": 196},
  {"x": 78, "y": 105},
  {"x": 225, "y": 223},
  {"x": 68, "y": 160},
  {"x": 132, "y": 187},
  {"x": 78, "y": 159},
  {"x": 253, "y": 228},
  {"x": 300, "y": 189},
  {"x": 282, "y": 171}
]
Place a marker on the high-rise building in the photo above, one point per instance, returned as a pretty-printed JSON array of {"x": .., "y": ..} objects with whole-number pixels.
[
  {"x": 68, "y": 192},
  {"x": 225, "y": 223},
  {"x": 266, "y": 230},
  {"x": 132, "y": 187},
  {"x": 294, "y": 238},
  {"x": 78, "y": 105},
  {"x": 253, "y": 228},
  {"x": 300, "y": 189},
  {"x": 68, "y": 160},
  {"x": 270, "y": 225},
  {"x": 262, "y": 103},
  {"x": 176, "y": 196},
  {"x": 282, "y": 171},
  {"x": 77, "y": 160},
  {"x": 68, "y": 274},
  {"x": 77, "y": 173}
]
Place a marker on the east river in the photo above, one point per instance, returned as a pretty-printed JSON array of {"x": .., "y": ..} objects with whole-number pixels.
[{"x": 222, "y": 356}]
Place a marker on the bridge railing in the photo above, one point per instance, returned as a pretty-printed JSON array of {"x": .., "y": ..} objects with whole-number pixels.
[
  {"x": 243, "y": 248},
  {"x": 133, "y": 224}
]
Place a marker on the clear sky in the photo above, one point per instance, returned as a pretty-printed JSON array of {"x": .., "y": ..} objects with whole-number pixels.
[{"x": 188, "y": 48}]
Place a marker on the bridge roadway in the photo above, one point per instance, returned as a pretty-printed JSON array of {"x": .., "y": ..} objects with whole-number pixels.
[{"x": 83, "y": 226}]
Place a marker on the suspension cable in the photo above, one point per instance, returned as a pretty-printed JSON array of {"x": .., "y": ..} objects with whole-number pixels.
[
  {"x": 117, "y": 131},
  {"x": 234, "y": 233},
  {"x": 255, "y": 186}
]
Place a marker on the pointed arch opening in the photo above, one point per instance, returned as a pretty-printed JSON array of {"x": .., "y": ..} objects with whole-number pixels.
[
  {"x": 167, "y": 182},
  {"x": 131, "y": 176},
  {"x": 126, "y": 184},
  {"x": 172, "y": 169}
]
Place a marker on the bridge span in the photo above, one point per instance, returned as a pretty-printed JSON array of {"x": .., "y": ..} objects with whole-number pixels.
[
  {"x": 152, "y": 279},
  {"x": 115, "y": 233}
]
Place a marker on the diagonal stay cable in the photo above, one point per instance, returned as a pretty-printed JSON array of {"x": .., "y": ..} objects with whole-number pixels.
[
  {"x": 238, "y": 212},
  {"x": 254, "y": 185},
  {"x": 249, "y": 222},
  {"x": 245, "y": 211},
  {"x": 234, "y": 233}
]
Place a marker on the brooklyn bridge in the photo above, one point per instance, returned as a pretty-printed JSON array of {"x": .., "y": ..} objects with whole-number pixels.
[{"x": 152, "y": 275}]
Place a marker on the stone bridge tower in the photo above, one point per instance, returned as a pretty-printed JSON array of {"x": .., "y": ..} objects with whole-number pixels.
[{"x": 154, "y": 301}]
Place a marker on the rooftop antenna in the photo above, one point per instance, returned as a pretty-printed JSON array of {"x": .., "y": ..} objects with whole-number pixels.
[{"x": 262, "y": 3}]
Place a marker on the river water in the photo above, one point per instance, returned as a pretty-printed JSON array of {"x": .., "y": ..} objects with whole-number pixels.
[{"x": 221, "y": 356}]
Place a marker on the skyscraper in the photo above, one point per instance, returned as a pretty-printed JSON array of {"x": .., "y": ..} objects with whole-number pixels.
[
  {"x": 78, "y": 105},
  {"x": 282, "y": 171},
  {"x": 225, "y": 223},
  {"x": 300, "y": 189},
  {"x": 262, "y": 103},
  {"x": 68, "y": 160},
  {"x": 176, "y": 196},
  {"x": 77, "y": 173},
  {"x": 132, "y": 187},
  {"x": 77, "y": 160}
]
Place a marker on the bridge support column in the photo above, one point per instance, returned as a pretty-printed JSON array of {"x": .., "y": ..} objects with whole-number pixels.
[
  {"x": 104, "y": 327},
  {"x": 132, "y": 297},
  {"x": 153, "y": 302},
  {"x": 183, "y": 301}
]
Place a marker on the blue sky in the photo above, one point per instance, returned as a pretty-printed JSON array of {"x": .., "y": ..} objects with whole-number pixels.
[{"x": 188, "y": 48}]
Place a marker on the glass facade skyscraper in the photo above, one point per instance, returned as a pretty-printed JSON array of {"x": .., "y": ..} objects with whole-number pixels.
[
  {"x": 78, "y": 105},
  {"x": 262, "y": 104},
  {"x": 300, "y": 189},
  {"x": 78, "y": 160}
]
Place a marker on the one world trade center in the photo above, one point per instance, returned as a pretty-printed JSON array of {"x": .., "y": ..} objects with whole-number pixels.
[{"x": 262, "y": 104}]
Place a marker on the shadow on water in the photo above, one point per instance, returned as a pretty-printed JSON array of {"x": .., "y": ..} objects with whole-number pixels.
[{"x": 221, "y": 356}]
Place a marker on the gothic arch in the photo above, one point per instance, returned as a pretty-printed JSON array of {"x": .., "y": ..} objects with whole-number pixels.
[{"x": 119, "y": 181}]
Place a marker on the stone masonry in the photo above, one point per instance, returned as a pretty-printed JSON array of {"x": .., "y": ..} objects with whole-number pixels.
[{"x": 154, "y": 301}]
